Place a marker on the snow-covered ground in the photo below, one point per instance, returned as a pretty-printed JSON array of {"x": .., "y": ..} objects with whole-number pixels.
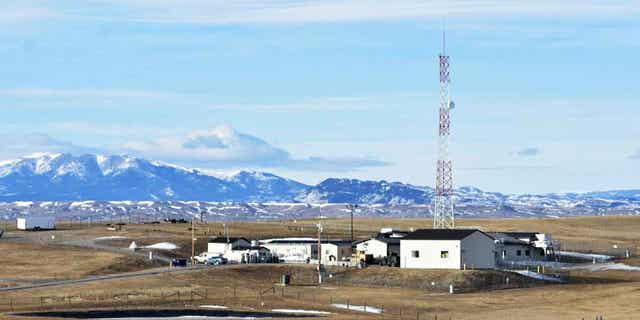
[
  {"x": 214, "y": 307},
  {"x": 368, "y": 309},
  {"x": 299, "y": 311},
  {"x": 110, "y": 238},
  {"x": 536, "y": 275},
  {"x": 585, "y": 256},
  {"x": 535, "y": 264},
  {"x": 163, "y": 246},
  {"x": 607, "y": 266}
]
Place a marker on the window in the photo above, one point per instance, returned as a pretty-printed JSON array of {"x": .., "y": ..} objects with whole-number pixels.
[
  {"x": 415, "y": 254},
  {"x": 519, "y": 253},
  {"x": 527, "y": 253},
  {"x": 444, "y": 254}
]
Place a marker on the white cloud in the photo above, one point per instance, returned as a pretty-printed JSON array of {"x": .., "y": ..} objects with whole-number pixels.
[
  {"x": 14, "y": 146},
  {"x": 299, "y": 11},
  {"x": 99, "y": 98},
  {"x": 223, "y": 147},
  {"x": 528, "y": 152},
  {"x": 295, "y": 11},
  {"x": 81, "y": 93},
  {"x": 21, "y": 13},
  {"x": 220, "y": 147}
]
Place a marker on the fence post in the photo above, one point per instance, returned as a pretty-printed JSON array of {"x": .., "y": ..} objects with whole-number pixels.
[
  {"x": 234, "y": 292},
  {"x": 417, "y": 314},
  {"x": 11, "y": 304}
]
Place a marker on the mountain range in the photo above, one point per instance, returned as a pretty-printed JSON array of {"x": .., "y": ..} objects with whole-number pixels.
[{"x": 97, "y": 185}]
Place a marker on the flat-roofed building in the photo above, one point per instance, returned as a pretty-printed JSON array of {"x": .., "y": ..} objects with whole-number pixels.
[{"x": 448, "y": 249}]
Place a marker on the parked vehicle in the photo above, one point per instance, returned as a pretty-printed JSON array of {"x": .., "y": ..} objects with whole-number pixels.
[
  {"x": 205, "y": 256},
  {"x": 1, "y": 233},
  {"x": 179, "y": 263},
  {"x": 217, "y": 260}
]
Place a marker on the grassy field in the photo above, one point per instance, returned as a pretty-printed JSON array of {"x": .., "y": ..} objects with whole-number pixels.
[
  {"x": 597, "y": 234},
  {"x": 411, "y": 293},
  {"x": 44, "y": 262}
]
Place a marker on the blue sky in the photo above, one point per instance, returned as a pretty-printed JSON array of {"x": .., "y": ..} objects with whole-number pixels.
[{"x": 546, "y": 91}]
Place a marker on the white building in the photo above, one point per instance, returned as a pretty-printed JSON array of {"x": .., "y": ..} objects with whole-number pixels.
[
  {"x": 385, "y": 245},
  {"x": 539, "y": 240},
  {"x": 334, "y": 252},
  {"x": 291, "y": 250},
  {"x": 239, "y": 250},
  {"x": 448, "y": 249},
  {"x": 514, "y": 249},
  {"x": 221, "y": 245},
  {"x": 36, "y": 223},
  {"x": 304, "y": 250}
]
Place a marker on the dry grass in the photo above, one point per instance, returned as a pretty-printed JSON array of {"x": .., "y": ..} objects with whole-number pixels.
[
  {"x": 590, "y": 294},
  {"x": 34, "y": 261},
  {"x": 548, "y": 302}
]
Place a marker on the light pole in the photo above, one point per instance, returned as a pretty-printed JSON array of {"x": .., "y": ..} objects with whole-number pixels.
[
  {"x": 352, "y": 208},
  {"x": 319, "y": 225}
]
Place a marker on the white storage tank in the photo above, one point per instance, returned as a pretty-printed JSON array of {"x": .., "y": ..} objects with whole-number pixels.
[{"x": 36, "y": 223}]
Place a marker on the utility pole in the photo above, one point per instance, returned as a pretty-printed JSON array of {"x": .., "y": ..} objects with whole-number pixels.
[
  {"x": 319, "y": 225},
  {"x": 352, "y": 208},
  {"x": 193, "y": 240}
]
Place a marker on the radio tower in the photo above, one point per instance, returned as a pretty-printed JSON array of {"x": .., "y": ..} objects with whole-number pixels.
[{"x": 443, "y": 217}]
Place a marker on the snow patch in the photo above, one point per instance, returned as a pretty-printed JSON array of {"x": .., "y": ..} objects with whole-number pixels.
[
  {"x": 608, "y": 266},
  {"x": 586, "y": 256},
  {"x": 23, "y": 204},
  {"x": 110, "y": 238},
  {"x": 299, "y": 311},
  {"x": 213, "y": 307},
  {"x": 163, "y": 246},
  {"x": 536, "y": 275},
  {"x": 358, "y": 308}
]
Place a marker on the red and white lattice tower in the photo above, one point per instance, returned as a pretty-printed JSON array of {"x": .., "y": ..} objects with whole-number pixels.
[{"x": 443, "y": 217}]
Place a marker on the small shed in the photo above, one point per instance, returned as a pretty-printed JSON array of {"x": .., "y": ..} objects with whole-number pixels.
[{"x": 448, "y": 249}]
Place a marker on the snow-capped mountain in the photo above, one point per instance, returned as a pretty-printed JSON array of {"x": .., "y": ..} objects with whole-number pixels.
[
  {"x": 95, "y": 186},
  {"x": 64, "y": 177}
]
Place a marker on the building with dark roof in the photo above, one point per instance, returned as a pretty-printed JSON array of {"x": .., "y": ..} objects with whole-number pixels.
[
  {"x": 448, "y": 249},
  {"x": 222, "y": 245},
  {"x": 382, "y": 247},
  {"x": 518, "y": 246}
]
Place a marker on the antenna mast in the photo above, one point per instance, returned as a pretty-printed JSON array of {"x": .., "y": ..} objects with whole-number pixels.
[{"x": 443, "y": 216}]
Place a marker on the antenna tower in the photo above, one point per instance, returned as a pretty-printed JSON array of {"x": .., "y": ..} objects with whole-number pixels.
[{"x": 443, "y": 217}]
